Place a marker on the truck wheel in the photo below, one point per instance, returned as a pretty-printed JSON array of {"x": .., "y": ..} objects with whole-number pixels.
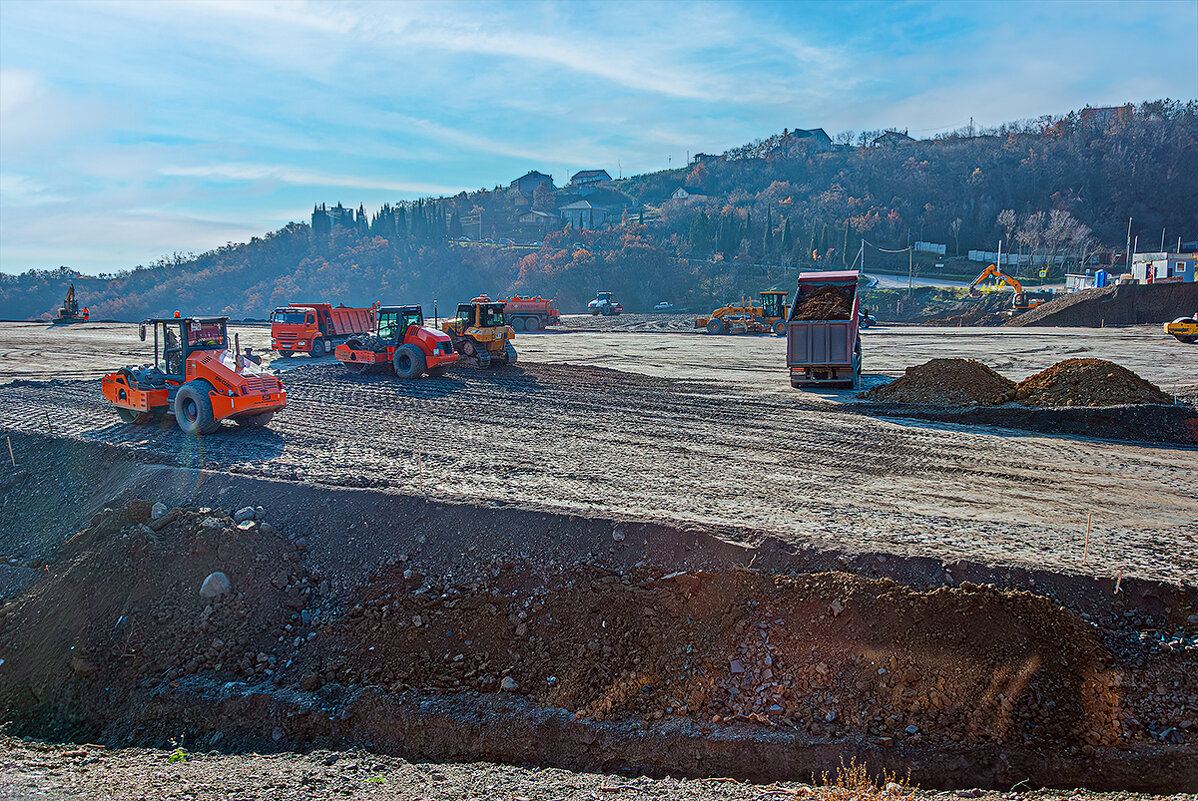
[
  {"x": 779, "y": 328},
  {"x": 532, "y": 324},
  {"x": 715, "y": 326},
  {"x": 255, "y": 420},
  {"x": 408, "y": 362},
  {"x": 317, "y": 348},
  {"x": 509, "y": 351},
  {"x": 517, "y": 323},
  {"x": 193, "y": 409},
  {"x": 438, "y": 371},
  {"x": 286, "y": 354}
]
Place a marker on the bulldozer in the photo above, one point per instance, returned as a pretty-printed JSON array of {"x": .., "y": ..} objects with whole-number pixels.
[
  {"x": 480, "y": 333},
  {"x": 769, "y": 316},
  {"x": 1019, "y": 303},
  {"x": 196, "y": 377}
]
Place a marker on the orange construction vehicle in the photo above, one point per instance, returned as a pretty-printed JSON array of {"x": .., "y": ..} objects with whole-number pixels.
[
  {"x": 317, "y": 328},
  {"x": 1018, "y": 303},
  {"x": 530, "y": 314},
  {"x": 402, "y": 342},
  {"x": 70, "y": 313},
  {"x": 196, "y": 377}
]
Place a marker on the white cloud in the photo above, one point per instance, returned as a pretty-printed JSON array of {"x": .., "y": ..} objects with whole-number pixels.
[{"x": 250, "y": 173}]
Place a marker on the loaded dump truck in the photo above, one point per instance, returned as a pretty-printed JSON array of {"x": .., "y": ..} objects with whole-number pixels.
[
  {"x": 530, "y": 314},
  {"x": 823, "y": 346},
  {"x": 317, "y": 328}
]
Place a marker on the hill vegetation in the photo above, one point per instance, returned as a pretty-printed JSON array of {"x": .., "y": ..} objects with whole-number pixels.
[{"x": 1062, "y": 188}]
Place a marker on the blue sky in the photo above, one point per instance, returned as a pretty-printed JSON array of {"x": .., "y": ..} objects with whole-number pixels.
[{"x": 132, "y": 130}]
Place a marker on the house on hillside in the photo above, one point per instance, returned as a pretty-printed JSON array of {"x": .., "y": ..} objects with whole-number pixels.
[
  {"x": 705, "y": 158},
  {"x": 588, "y": 179},
  {"x": 1104, "y": 116},
  {"x": 816, "y": 138},
  {"x": 891, "y": 139},
  {"x": 526, "y": 184},
  {"x": 536, "y": 220},
  {"x": 683, "y": 195},
  {"x": 594, "y": 209}
]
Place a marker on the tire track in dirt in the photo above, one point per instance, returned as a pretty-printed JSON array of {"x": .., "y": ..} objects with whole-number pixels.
[{"x": 588, "y": 440}]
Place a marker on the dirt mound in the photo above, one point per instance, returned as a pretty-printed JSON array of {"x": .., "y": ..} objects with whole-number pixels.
[
  {"x": 945, "y": 382},
  {"x": 1127, "y": 304},
  {"x": 824, "y": 302},
  {"x": 1088, "y": 382}
]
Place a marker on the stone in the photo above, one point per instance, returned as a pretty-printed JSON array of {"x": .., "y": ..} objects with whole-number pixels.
[
  {"x": 912, "y": 729},
  {"x": 247, "y": 525},
  {"x": 215, "y": 585},
  {"x": 310, "y": 682},
  {"x": 210, "y": 522},
  {"x": 259, "y": 513},
  {"x": 243, "y": 514},
  {"x": 508, "y": 684},
  {"x": 618, "y": 536},
  {"x": 157, "y": 510},
  {"x": 735, "y": 666},
  {"x": 416, "y": 621},
  {"x": 836, "y": 607}
]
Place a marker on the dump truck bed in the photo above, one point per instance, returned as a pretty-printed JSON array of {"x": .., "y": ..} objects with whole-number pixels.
[{"x": 822, "y": 343}]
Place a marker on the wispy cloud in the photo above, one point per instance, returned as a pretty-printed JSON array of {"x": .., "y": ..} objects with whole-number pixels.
[{"x": 253, "y": 173}]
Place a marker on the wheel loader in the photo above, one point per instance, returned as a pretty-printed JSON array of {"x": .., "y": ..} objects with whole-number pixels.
[
  {"x": 746, "y": 318},
  {"x": 196, "y": 377},
  {"x": 480, "y": 333}
]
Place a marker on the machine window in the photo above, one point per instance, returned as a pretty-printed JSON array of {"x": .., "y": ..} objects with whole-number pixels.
[
  {"x": 388, "y": 323},
  {"x": 206, "y": 335},
  {"x": 287, "y": 318},
  {"x": 491, "y": 314},
  {"x": 412, "y": 318}
]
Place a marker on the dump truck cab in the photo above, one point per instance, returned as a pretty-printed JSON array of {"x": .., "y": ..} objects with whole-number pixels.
[
  {"x": 196, "y": 377},
  {"x": 480, "y": 333},
  {"x": 402, "y": 341},
  {"x": 317, "y": 328}
]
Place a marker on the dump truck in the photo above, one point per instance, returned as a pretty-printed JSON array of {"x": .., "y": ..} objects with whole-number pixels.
[
  {"x": 1184, "y": 329},
  {"x": 823, "y": 346},
  {"x": 400, "y": 342},
  {"x": 317, "y": 328},
  {"x": 70, "y": 312},
  {"x": 480, "y": 333},
  {"x": 746, "y": 318},
  {"x": 604, "y": 304},
  {"x": 530, "y": 314},
  {"x": 196, "y": 378}
]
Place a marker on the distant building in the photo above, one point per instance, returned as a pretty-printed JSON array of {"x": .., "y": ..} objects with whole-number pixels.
[
  {"x": 325, "y": 219},
  {"x": 815, "y": 137},
  {"x": 684, "y": 195},
  {"x": 1103, "y": 116},
  {"x": 704, "y": 158},
  {"x": 590, "y": 177},
  {"x": 892, "y": 138},
  {"x": 1163, "y": 268},
  {"x": 526, "y": 184},
  {"x": 541, "y": 220},
  {"x": 584, "y": 214}
]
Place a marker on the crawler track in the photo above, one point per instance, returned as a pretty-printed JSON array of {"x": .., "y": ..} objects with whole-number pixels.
[{"x": 585, "y": 440}]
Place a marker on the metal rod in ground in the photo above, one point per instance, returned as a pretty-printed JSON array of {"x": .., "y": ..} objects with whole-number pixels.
[
  {"x": 420, "y": 469},
  {"x": 11, "y": 458},
  {"x": 1086, "y": 547},
  {"x": 49, "y": 425}
]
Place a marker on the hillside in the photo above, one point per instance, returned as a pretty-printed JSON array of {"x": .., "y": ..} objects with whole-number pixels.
[{"x": 1060, "y": 189}]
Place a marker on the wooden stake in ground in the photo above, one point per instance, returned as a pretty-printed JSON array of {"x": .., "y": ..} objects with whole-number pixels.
[
  {"x": 1086, "y": 547},
  {"x": 49, "y": 425},
  {"x": 11, "y": 458}
]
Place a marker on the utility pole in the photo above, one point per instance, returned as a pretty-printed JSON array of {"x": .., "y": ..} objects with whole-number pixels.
[
  {"x": 1129, "y": 244},
  {"x": 910, "y": 270},
  {"x": 1162, "y": 240}
]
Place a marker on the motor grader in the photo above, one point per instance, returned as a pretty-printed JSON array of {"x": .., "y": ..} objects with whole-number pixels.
[
  {"x": 769, "y": 316},
  {"x": 195, "y": 377},
  {"x": 480, "y": 333}
]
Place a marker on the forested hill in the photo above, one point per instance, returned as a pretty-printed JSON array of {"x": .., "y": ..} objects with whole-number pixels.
[{"x": 1062, "y": 188}]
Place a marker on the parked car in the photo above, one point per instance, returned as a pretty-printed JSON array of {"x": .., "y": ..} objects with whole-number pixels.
[{"x": 665, "y": 305}]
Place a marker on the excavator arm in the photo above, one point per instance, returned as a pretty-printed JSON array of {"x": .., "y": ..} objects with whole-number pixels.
[{"x": 992, "y": 271}]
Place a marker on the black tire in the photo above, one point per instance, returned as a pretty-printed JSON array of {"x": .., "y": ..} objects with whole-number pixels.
[
  {"x": 409, "y": 362},
  {"x": 715, "y": 326},
  {"x": 255, "y": 420},
  {"x": 532, "y": 324},
  {"x": 286, "y": 354},
  {"x": 317, "y": 348},
  {"x": 509, "y": 351},
  {"x": 779, "y": 328},
  {"x": 438, "y": 371},
  {"x": 1186, "y": 339},
  {"x": 517, "y": 323},
  {"x": 193, "y": 409}
]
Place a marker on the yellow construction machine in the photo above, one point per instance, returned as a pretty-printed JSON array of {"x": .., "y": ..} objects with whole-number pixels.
[
  {"x": 480, "y": 333},
  {"x": 1185, "y": 329},
  {"x": 746, "y": 318}
]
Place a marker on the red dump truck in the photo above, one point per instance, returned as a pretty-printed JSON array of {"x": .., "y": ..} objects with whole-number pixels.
[
  {"x": 530, "y": 314},
  {"x": 823, "y": 346},
  {"x": 317, "y": 328}
]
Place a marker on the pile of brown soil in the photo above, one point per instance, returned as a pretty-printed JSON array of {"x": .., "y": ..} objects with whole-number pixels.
[
  {"x": 945, "y": 382},
  {"x": 825, "y": 302},
  {"x": 1088, "y": 382}
]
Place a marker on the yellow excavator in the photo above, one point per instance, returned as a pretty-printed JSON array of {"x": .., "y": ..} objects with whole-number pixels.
[
  {"x": 746, "y": 318},
  {"x": 1018, "y": 303}
]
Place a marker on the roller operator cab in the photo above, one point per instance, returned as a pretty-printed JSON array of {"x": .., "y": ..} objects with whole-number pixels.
[
  {"x": 196, "y": 377},
  {"x": 401, "y": 342},
  {"x": 480, "y": 333}
]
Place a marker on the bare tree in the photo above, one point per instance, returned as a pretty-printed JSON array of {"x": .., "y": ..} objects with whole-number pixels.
[
  {"x": 1060, "y": 227},
  {"x": 1007, "y": 221},
  {"x": 1031, "y": 234},
  {"x": 954, "y": 228}
]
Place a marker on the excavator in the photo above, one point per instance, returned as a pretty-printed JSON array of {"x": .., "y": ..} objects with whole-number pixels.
[
  {"x": 1019, "y": 303},
  {"x": 196, "y": 377},
  {"x": 69, "y": 313},
  {"x": 746, "y": 318}
]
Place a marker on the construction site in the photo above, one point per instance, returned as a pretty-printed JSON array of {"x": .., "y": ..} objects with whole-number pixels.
[{"x": 637, "y": 563}]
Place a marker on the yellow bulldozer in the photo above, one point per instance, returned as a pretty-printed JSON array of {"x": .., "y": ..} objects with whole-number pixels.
[
  {"x": 769, "y": 316},
  {"x": 480, "y": 333}
]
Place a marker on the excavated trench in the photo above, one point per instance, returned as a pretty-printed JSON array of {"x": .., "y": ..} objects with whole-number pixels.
[{"x": 452, "y": 631}]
